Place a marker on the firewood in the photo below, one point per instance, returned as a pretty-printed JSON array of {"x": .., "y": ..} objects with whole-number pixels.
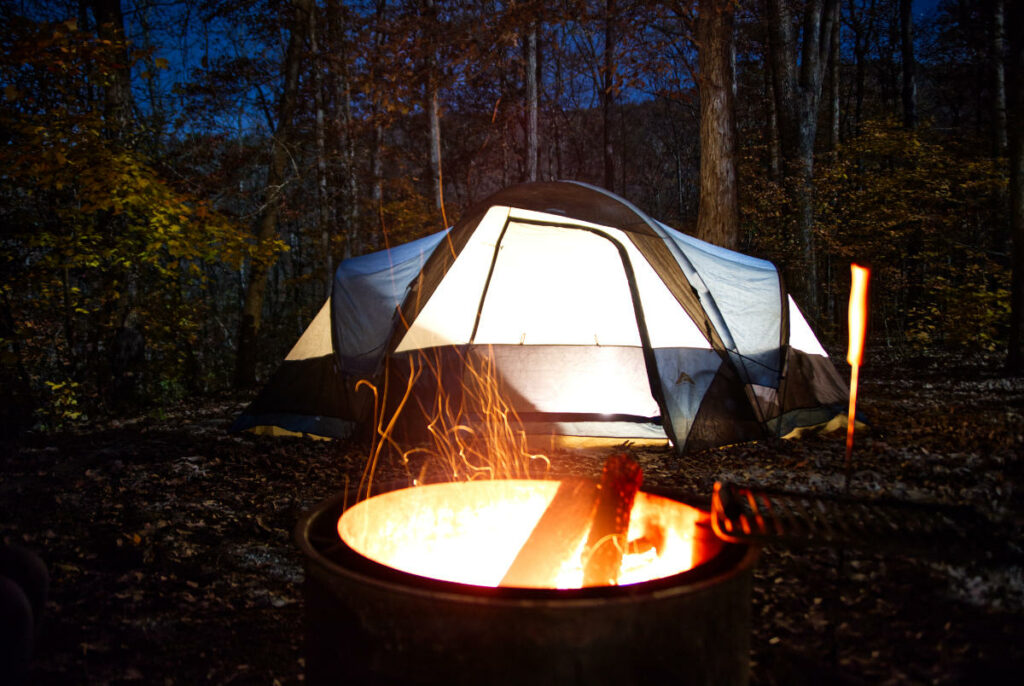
[
  {"x": 556, "y": 537},
  {"x": 606, "y": 543}
]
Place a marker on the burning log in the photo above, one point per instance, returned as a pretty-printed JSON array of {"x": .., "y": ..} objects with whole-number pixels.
[
  {"x": 620, "y": 481},
  {"x": 579, "y": 505},
  {"x": 556, "y": 537}
]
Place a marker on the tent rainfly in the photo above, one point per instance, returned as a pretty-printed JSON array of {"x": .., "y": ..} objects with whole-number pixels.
[{"x": 601, "y": 322}]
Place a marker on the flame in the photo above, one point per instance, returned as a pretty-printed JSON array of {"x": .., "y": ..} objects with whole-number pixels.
[
  {"x": 470, "y": 527},
  {"x": 471, "y": 532},
  {"x": 474, "y": 432},
  {"x": 858, "y": 313},
  {"x": 858, "y": 319}
]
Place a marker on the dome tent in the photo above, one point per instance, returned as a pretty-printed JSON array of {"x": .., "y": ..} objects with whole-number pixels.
[{"x": 600, "y": 321}]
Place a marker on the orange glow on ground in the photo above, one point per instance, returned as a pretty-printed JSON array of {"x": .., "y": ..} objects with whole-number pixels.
[{"x": 470, "y": 532}]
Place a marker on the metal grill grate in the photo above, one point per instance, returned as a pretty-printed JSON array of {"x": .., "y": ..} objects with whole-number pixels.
[{"x": 747, "y": 515}]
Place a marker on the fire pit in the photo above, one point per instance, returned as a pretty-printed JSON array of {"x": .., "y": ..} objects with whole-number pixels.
[{"x": 400, "y": 597}]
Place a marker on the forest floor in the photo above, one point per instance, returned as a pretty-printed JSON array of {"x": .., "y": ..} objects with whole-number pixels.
[{"x": 169, "y": 541}]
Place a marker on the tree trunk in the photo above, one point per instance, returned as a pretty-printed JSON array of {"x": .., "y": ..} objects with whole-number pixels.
[
  {"x": 323, "y": 218},
  {"x": 1015, "y": 116},
  {"x": 434, "y": 119},
  {"x": 555, "y": 139},
  {"x": 377, "y": 172},
  {"x": 117, "y": 127},
  {"x": 833, "y": 90},
  {"x": 608, "y": 94},
  {"x": 157, "y": 119},
  {"x": 532, "y": 144},
  {"x": 909, "y": 83},
  {"x": 118, "y": 93},
  {"x": 377, "y": 154},
  {"x": 718, "y": 207},
  {"x": 354, "y": 240},
  {"x": 860, "y": 71},
  {"x": 1000, "y": 138},
  {"x": 861, "y": 18},
  {"x": 346, "y": 206},
  {"x": 888, "y": 69},
  {"x": 437, "y": 179},
  {"x": 798, "y": 92},
  {"x": 772, "y": 137},
  {"x": 16, "y": 412},
  {"x": 266, "y": 229}
]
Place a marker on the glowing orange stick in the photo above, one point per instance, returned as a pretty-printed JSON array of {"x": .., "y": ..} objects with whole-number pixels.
[{"x": 858, "y": 319}]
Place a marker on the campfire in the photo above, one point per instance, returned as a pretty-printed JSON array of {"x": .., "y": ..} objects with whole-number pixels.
[
  {"x": 419, "y": 589},
  {"x": 486, "y": 527},
  {"x": 483, "y": 576},
  {"x": 532, "y": 533}
]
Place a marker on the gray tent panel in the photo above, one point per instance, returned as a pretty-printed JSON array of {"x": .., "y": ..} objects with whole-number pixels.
[
  {"x": 367, "y": 292},
  {"x": 746, "y": 291},
  {"x": 686, "y": 374}
]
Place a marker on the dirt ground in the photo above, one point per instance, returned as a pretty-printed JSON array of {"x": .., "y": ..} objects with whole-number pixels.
[{"x": 169, "y": 541}]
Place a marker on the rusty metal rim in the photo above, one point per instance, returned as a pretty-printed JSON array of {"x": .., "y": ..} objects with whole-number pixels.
[{"x": 334, "y": 557}]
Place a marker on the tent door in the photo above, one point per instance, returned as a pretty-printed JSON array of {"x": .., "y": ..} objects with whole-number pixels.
[{"x": 562, "y": 314}]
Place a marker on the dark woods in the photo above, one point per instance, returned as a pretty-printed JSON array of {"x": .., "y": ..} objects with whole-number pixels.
[{"x": 179, "y": 179}]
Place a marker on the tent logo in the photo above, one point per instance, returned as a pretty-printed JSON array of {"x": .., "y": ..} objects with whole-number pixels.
[{"x": 685, "y": 378}]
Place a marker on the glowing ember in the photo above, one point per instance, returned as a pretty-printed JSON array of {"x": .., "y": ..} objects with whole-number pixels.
[
  {"x": 472, "y": 432},
  {"x": 471, "y": 532}
]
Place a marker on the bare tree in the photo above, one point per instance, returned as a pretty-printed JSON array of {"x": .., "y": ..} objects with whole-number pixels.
[
  {"x": 323, "y": 219},
  {"x": 797, "y": 95},
  {"x": 909, "y": 82},
  {"x": 1015, "y": 117},
  {"x": 377, "y": 112},
  {"x": 608, "y": 92},
  {"x": 532, "y": 104},
  {"x": 833, "y": 90},
  {"x": 999, "y": 75},
  {"x": 346, "y": 205},
  {"x": 861, "y": 19},
  {"x": 266, "y": 228},
  {"x": 433, "y": 103},
  {"x": 118, "y": 92},
  {"x": 718, "y": 208},
  {"x": 772, "y": 127}
]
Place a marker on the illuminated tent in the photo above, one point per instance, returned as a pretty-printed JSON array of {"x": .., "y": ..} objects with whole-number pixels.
[{"x": 602, "y": 324}]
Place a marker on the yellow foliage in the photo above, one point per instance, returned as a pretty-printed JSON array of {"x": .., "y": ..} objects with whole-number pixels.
[
  {"x": 93, "y": 229},
  {"x": 920, "y": 212}
]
